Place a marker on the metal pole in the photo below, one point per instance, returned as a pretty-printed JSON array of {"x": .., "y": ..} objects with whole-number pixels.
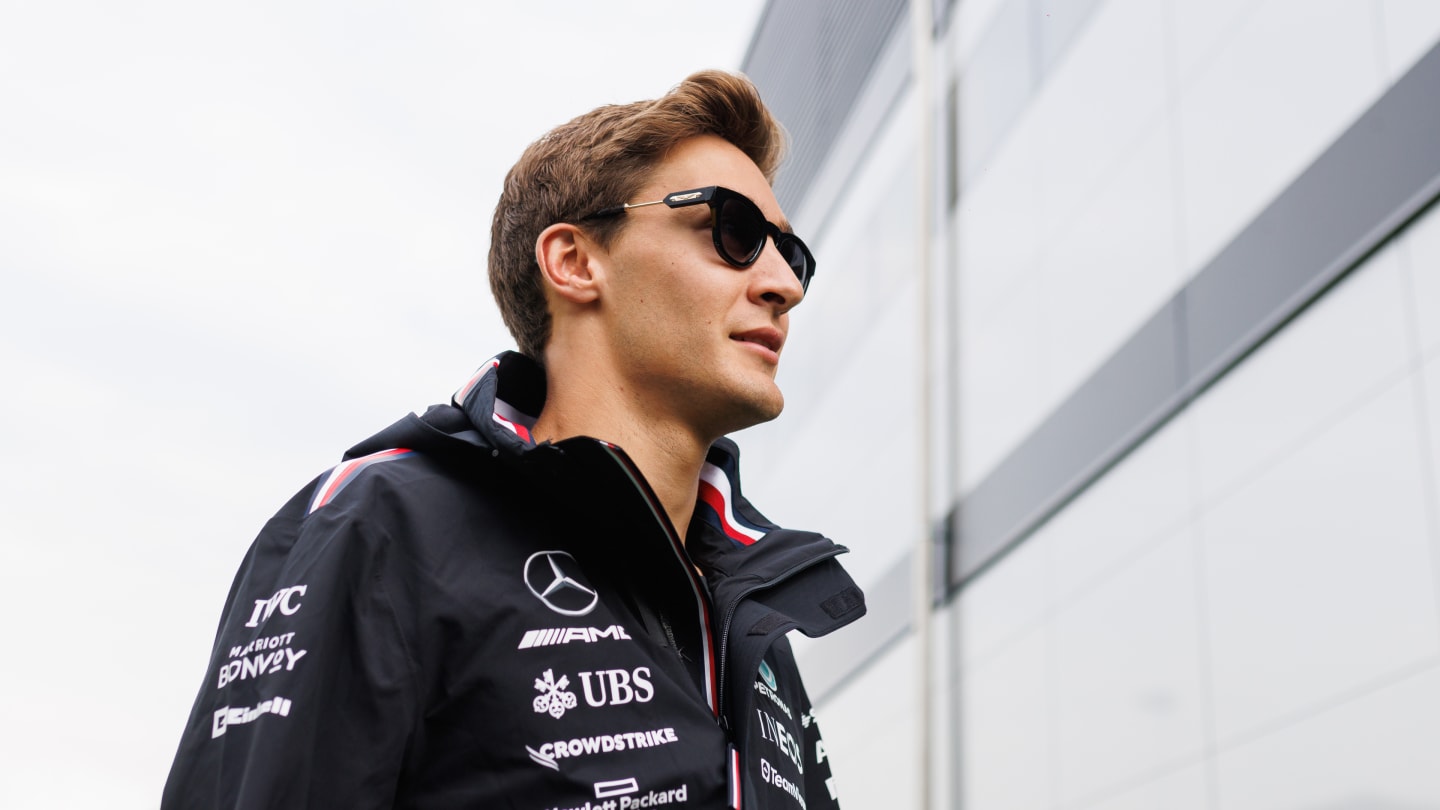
[{"x": 923, "y": 33}]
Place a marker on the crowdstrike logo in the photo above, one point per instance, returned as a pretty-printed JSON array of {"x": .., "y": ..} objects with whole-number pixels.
[
  {"x": 550, "y": 752},
  {"x": 554, "y": 578}
]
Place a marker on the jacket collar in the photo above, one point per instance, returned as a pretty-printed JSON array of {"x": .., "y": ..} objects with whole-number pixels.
[
  {"x": 505, "y": 396},
  {"x": 742, "y": 552},
  {"x": 503, "y": 399}
]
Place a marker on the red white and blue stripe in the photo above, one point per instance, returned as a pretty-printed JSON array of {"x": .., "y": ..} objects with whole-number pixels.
[
  {"x": 341, "y": 475},
  {"x": 734, "y": 779},
  {"x": 460, "y": 396},
  {"x": 510, "y": 417},
  {"x": 505, "y": 414},
  {"x": 716, "y": 507}
]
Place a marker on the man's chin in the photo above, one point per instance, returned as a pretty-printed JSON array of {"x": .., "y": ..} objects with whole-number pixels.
[{"x": 759, "y": 407}]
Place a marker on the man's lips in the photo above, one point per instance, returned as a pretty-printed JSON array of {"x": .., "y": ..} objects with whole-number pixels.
[{"x": 768, "y": 337}]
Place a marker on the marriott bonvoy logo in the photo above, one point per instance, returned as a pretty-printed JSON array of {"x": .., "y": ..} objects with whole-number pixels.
[{"x": 269, "y": 654}]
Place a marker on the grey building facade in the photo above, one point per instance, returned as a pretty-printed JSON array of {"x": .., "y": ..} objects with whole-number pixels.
[{"x": 1144, "y": 351}]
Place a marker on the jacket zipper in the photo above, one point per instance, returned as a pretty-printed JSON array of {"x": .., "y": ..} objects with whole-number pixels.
[
  {"x": 669, "y": 633},
  {"x": 707, "y": 636},
  {"x": 740, "y": 597}
]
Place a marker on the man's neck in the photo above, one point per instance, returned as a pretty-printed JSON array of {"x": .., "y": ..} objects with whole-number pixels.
[{"x": 669, "y": 453}]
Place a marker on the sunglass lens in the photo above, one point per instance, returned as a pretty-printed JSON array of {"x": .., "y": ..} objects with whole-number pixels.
[
  {"x": 795, "y": 256},
  {"x": 742, "y": 231}
]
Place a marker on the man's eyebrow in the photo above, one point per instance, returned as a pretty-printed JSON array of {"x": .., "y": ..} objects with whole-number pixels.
[{"x": 784, "y": 225}]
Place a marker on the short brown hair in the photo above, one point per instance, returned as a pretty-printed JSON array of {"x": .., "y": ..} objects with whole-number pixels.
[{"x": 600, "y": 159}]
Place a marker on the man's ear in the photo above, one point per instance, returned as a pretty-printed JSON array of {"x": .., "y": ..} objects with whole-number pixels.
[{"x": 570, "y": 262}]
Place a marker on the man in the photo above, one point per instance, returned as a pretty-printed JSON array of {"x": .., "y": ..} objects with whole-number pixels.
[{"x": 550, "y": 593}]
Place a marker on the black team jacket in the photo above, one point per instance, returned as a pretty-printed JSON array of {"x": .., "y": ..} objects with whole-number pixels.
[{"x": 458, "y": 617}]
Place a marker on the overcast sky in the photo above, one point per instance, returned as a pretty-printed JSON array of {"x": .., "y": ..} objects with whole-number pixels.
[{"x": 234, "y": 241}]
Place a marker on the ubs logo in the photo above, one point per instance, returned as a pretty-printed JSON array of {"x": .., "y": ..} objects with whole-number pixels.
[
  {"x": 623, "y": 686},
  {"x": 554, "y": 578}
]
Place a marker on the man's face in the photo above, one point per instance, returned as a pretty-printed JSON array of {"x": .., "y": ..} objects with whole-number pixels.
[{"x": 697, "y": 338}]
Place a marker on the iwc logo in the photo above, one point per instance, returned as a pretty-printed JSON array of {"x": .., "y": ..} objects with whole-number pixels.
[{"x": 554, "y": 578}]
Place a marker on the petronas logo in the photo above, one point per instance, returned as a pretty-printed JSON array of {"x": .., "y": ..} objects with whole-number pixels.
[{"x": 767, "y": 675}]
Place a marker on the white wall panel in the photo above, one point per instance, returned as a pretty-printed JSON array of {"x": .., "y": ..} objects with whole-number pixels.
[
  {"x": 1144, "y": 498},
  {"x": 864, "y": 259},
  {"x": 996, "y": 85},
  {"x": 1000, "y": 340},
  {"x": 998, "y": 243},
  {"x": 972, "y": 20},
  {"x": 1100, "y": 102},
  {"x": 1183, "y": 789},
  {"x": 1420, "y": 248},
  {"x": 1279, "y": 91},
  {"x": 1377, "y": 753},
  {"x": 1334, "y": 354},
  {"x": 1111, "y": 267},
  {"x": 1006, "y": 729},
  {"x": 1002, "y": 370},
  {"x": 869, "y": 733},
  {"x": 1428, "y": 379},
  {"x": 1319, "y": 574},
  {"x": 1200, "y": 31},
  {"x": 1411, "y": 28},
  {"x": 1128, "y": 680},
  {"x": 1005, "y": 602}
]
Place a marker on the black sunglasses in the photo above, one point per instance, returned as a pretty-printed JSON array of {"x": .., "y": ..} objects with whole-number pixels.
[{"x": 737, "y": 227}]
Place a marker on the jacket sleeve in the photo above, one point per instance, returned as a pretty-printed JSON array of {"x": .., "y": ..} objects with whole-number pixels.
[
  {"x": 820, "y": 791},
  {"x": 819, "y": 779},
  {"x": 309, "y": 697}
]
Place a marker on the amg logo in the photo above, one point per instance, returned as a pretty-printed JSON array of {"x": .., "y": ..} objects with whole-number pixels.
[{"x": 564, "y": 635}]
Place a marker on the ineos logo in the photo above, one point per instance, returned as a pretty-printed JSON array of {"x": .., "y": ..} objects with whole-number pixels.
[{"x": 553, "y": 576}]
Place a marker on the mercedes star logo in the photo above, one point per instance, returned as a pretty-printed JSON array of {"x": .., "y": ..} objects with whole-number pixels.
[{"x": 553, "y": 576}]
